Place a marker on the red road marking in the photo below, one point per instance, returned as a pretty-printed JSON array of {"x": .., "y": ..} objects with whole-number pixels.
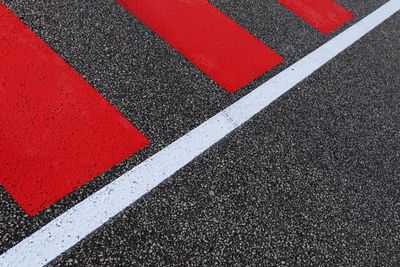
[
  {"x": 56, "y": 131},
  {"x": 324, "y": 15},
  {"x": 218, "y": 46}
]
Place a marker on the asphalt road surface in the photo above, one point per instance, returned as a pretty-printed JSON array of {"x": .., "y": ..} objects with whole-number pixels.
[{"x": 313, "y": 179}]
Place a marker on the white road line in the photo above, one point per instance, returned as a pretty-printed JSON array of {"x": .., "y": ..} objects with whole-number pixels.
[{"x": 71, "y": 227}]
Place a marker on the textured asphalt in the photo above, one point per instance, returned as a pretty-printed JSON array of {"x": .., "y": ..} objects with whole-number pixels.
[{"x": 310, "y": 180}]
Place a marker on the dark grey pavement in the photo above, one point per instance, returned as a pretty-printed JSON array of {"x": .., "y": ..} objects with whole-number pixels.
[{"x": 312, "y": 180}]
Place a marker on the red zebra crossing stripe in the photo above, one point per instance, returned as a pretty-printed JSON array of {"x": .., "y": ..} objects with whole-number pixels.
[
  {"x": 56, "y": 131},
  {"x": 324, "y": 15},
  {"x": 217, "y": 45}
]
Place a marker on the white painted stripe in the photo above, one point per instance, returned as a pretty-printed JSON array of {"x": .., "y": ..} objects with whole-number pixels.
[{"x": 69, "y": 228}]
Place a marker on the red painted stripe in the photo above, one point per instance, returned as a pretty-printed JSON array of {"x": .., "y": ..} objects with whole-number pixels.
[
  {"x": 325, "y": 15},
  {"x": 218, "y": 46},
  {"x": 56, "y": 131}
]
